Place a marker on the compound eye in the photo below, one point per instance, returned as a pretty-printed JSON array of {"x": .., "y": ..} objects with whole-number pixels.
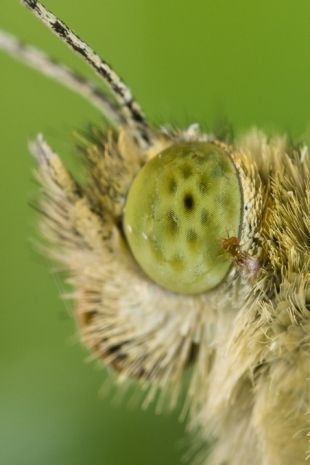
[{"x": 179, "y": 208}]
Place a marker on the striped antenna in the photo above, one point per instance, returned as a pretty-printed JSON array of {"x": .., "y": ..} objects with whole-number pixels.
[
  {"x": 135, "y": 116},
  {"x": 38, "y": 60}
]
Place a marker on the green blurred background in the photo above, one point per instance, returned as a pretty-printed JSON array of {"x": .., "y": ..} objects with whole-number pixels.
[{"x": 186, "y": 62}]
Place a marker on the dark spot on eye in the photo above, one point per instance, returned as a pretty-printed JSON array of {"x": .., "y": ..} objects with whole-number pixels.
[
  {"x": 191, "y": 236},
  {"x": 186, "y": 171},
  {"x": 204, "y": 216},
  {"x": 173, "y": 222},
  {"x": 188, "y": 201},
  {"x": 198, "y": 157},
  {"x": 202, "y": 186},
  {"x": 172, "y": 186}
]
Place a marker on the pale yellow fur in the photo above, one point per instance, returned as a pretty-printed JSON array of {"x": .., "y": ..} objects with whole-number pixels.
[{"x": 248, "y": 341}]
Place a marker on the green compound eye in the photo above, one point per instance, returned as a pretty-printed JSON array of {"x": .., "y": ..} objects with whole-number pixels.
[{"x": 180, "y": 207}]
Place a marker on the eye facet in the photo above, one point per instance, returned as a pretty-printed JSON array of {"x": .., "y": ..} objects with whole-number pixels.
[{"x": 179, "y": 208}]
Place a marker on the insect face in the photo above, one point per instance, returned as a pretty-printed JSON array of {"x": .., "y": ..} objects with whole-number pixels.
[{"x": 140, "y": 241}]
